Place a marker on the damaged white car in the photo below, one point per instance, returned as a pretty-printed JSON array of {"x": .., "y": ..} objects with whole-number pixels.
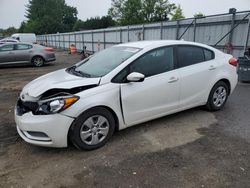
[{"x": 122, "y": 86}]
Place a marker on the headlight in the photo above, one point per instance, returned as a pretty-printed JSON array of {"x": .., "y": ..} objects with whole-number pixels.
[{"x": 57, "y": 104}]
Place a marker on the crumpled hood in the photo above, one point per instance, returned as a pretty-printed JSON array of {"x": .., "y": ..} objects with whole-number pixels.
[{"x": 56, "y": 80}]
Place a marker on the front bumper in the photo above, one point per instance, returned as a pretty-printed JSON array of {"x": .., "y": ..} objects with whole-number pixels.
[{"x": 44, "y": 130}]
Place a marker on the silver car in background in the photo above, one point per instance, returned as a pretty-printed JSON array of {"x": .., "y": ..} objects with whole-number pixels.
[
  {"x": 8, "y": 40},
  {"x": 23, "y": 53}
]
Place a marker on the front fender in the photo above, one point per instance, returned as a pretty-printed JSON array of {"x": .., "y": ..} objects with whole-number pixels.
[{"x": 107, "y": 95}]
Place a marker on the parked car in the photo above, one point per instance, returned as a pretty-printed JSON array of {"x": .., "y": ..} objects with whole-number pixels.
[
  {"x": 25, "y": 37},
  {"x": 120, "y": 87},
  {"x": 8, "y": 40},
  {"x": 20, "y": 53}
]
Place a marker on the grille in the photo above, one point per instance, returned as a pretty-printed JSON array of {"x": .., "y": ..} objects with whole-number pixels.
[{"x": 25, "y": 107}]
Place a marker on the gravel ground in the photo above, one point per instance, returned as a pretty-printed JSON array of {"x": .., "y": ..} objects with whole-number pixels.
[{"x": 194, "y": 148}]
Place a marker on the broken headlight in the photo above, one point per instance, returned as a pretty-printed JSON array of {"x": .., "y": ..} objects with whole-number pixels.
[{"x": 57, "y": 104}]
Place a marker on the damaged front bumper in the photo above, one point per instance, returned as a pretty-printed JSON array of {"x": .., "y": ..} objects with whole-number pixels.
[{"x": 44, "y": 130}]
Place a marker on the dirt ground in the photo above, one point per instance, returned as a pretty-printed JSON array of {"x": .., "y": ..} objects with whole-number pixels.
[{"x": 194, "y": 148}]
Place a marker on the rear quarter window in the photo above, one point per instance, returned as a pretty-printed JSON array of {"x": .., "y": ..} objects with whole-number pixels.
[
  {"x": 209, "y": 55},
  {"x": 189, "y": 55}
]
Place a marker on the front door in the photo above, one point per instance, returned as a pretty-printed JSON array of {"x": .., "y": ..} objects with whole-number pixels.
[
  {"x": 158, "y": 94},
  {"x": 7, "y": 54}
]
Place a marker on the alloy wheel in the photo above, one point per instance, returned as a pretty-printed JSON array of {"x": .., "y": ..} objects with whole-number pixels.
[
  {"x": 94, "y": 130},
  {"x": 219, "y": 96}
]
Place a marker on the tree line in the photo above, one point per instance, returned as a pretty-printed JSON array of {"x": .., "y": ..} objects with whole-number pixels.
[{"x": 53, "y": 16}]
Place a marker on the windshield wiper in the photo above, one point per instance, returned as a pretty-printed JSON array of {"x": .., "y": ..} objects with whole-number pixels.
[
  {"x": 73, "y": 70},
  {"x": 82, "y": 73}
]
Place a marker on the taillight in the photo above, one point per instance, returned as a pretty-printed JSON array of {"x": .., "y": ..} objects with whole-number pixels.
[
  {"x": 49, "y": 49},
  {"x": 233, "y": 61}
]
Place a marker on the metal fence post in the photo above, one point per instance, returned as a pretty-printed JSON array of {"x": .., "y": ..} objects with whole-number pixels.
[
  {"x": 120, "y": 35},
  {"x": 128, "y": 33},
  {"x": 104, "y": 39},
  {"x": 161, "y": 30},
  {"x": 195, "y": 19},
  {"x": 75, "y": 38},
  {"x": 230, "y": 38},
  {"x": 248, "y": 34},
  {"x": 82, "y": 40},
  {"x": 177, "y": 29},
  {"x": 69, "y": 40},
  {"x": 63, "y": 42},
  {"x": 92, "y": 39},
  {"x": 54, "y": 41},
  {"x": 143, "y": 32}
]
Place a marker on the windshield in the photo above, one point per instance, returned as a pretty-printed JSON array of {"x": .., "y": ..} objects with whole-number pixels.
[{"x": 105, "y": 61}]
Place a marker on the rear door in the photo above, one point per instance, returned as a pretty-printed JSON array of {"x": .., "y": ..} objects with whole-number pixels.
[
  {"x": 23, "y": 52},
  {"x": 197, "y": 67},
  {"x": 158, "y": 94},
  {"x": 7, "y": 53}
]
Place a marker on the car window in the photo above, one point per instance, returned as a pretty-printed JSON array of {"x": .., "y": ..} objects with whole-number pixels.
[
  {"x": 23, "y": 47},
  {"x": 209, "y": 55},
  {"x": 8, "y": 47},
  {"x": 105, "y": 61},
  {"x": 189, "y": 55},
  {"x": 155, "y": 62}
]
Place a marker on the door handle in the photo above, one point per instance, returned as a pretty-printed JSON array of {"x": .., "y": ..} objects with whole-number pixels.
[
  {"x": 212, "y": 67},
  {"x": 173, "y": 79}
]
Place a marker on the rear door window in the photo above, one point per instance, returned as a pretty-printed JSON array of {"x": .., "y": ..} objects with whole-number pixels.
[
  {"x": 189, "y": 55},
  {"x": 23, "y": 46}
]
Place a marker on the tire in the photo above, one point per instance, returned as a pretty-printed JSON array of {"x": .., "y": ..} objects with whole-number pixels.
[
  {"x": 218, "y": 96},
  {"x": 87, "y": 134},
  {"x": 38, "y": 61}
]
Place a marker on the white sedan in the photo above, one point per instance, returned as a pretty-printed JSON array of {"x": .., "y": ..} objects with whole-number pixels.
[{"x": 122, "y": 86}]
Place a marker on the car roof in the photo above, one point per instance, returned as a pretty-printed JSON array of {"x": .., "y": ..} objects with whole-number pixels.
[
  {"x": 5, "y": 39},
  {"x": 155, "y": 43},
  {"x": 17, "y": 43}
]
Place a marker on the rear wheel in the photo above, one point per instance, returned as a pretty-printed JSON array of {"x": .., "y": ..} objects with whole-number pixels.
[
  {"x": 38, "y": 61},
  {"x": 92, "y": 129},
  {"x": 218, "y": 96}
]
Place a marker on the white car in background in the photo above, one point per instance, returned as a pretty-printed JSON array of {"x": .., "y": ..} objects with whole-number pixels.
[
  {"x": 122, "y": 86},
  {"x": 25, "y": 37}
]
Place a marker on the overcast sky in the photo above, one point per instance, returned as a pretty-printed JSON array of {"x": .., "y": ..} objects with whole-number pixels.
[{"x": 12, "y": 11}]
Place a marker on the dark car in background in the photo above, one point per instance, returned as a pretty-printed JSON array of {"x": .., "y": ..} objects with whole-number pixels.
[{"x": 25, "y": 53}]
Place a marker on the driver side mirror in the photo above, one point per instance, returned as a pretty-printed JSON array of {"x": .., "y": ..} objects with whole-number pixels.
[{"x": 135, "y": 77}]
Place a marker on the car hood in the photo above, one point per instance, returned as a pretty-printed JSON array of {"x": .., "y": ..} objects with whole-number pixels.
[{"x": 57, "y": 80}]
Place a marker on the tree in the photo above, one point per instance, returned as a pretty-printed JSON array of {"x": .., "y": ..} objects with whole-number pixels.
[
  {"x": 69, "y": 17},
  {"x": 199, "y": 15},
  {"x": 8, "y": 32},
  {"x": 178, "y": 14},
  {"x": 49, "y": 16},
  {"x": 157, "y": 10},
  {"x": 22, "y": 27},
  {"x": 94, "y": 23},
  {"x": 140, "y": 11}
]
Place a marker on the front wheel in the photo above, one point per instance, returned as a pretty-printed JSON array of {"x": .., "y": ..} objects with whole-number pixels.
[
  {"x": 218, "y": 96},
  {"x": 92, "y": 129}
]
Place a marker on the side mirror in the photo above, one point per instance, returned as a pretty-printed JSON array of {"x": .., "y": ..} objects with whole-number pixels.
[{"x": 135, "y": 77}]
